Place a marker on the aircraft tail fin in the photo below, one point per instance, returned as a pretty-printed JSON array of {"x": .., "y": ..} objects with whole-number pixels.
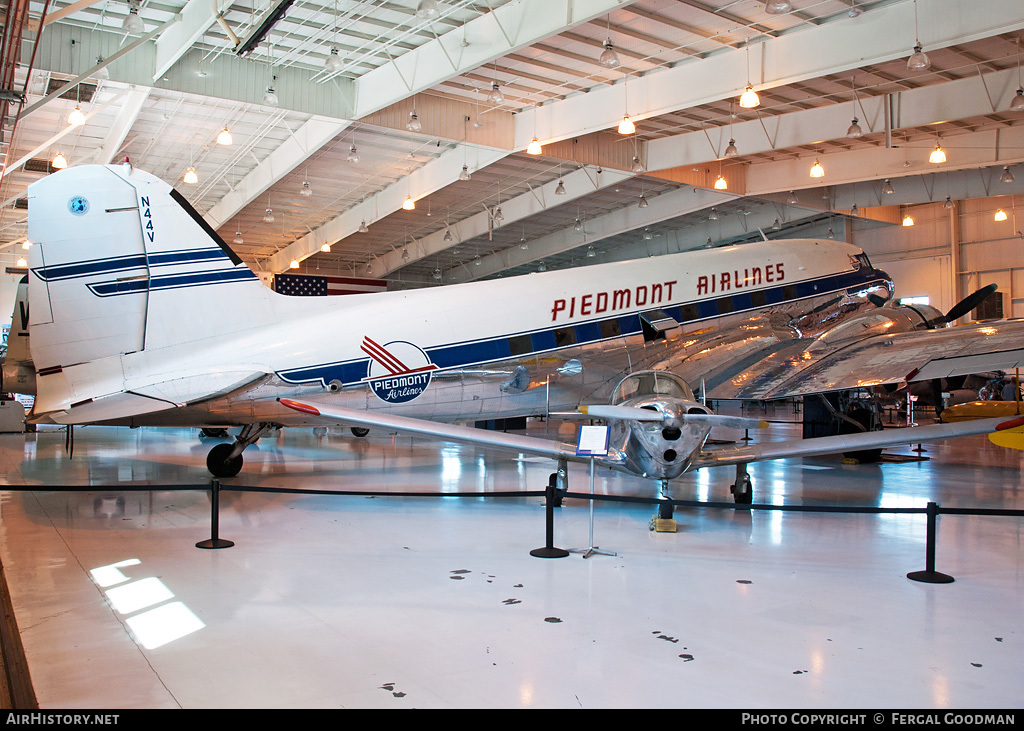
[
  {"x": 19, "y": 373},
  {"x": 123, "y": 264}
]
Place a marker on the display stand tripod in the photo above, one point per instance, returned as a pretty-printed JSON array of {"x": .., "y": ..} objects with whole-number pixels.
[{"x": 592, "y": 549}]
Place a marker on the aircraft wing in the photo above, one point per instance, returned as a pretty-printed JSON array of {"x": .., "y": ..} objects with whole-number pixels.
[
  {"x": 802, "y": 367},
  {"x": 451, "y": 432},
  {"x": 847, "y": 442}
]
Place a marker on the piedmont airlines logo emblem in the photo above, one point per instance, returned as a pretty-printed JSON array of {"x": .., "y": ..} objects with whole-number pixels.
[{"x": 399, "y": 371}]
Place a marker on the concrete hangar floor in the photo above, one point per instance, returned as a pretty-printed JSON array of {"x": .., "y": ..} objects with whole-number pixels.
[{"x": 366, "y": 601}]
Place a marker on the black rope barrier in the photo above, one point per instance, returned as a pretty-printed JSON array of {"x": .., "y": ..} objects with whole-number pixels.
[{"x": 553, "y": 499}]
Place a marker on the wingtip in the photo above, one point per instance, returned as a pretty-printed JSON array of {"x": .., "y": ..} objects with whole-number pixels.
[
  {"x": 1019, "y": 421},
  {"x": 298, "y": 406}
]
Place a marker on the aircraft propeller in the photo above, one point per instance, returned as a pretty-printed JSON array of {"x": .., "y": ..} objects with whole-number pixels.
[{"x": 965, "y": 305}]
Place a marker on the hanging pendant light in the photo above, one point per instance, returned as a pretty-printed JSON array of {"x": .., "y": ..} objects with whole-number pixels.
[
  {"x": 133, "y": 23},
  {"x": 534, "y": 147},
  {"x": 1007, "y": 176},
  {"x": 854, "y": 129},
  {"x": 268, "y": 217},
  {"x": 918, "y": 60},
  {"x": 464, "y": 175},
  {"x": 776, "y": 226},
  {"x": 59, "y": 161},
  {"x": 731, "y": 150},
  {"x": 428, "y": 10},
  {"x": 792, "y": 200},
  {"x": 76, "y": 118},
  {"x": 21, "y": 262},
  {"x": 948, "y": 203},
  {"x": 225, "y": 138},
  {"x": 238, "y": 238},
  {"x": 778, "y": 7},
  {"x": 353, "y": 155},
  {"x": 333, "y": 64},
  {"x": 270, "y": 98},
  {"x": 414, "y": 122},
  {"x": 498, "y": 216},
  {"x": 447, "y": 233},
  {"x": 495, "y": 97},
  {"x": 560, "y": 188},
  {"x": 908, "y": 220},
  {"x": 637, "y": 166},
  {"x": 643, "y": 201},
  {"x": 887, "y": 188},
  {"x": 294, "y": 264},
  {"x": 626, "y": 126},
  {"x": 713, "y": 216},
  {"x": 1000, "y": 215},
  {"x": 938, "y": 156},
  {"x": 720, "y": 183},
  {"x": 409, "y": 204},
  {"x": 325, "y": 248},
  {"x": 855, "y": 211},
  {"x": 1017, "y": 103},
  {"x": 305, "y": 191},
  {"x": 363, "y": 228},
  {"x": 749, "y": 98},
  {"x": 609, "y": 58},
  {"x": 817, "y": 171},
  {"x": 190, "y": 176}
]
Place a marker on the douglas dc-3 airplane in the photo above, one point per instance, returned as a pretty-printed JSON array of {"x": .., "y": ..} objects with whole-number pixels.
[{"x": 139, "y": 314}]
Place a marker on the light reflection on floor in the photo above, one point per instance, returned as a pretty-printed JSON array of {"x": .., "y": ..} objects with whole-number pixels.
[{"x": 400, "y": 602}]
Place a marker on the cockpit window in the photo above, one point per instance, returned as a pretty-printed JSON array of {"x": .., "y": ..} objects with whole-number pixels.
[{"x": 651, "y": 383}]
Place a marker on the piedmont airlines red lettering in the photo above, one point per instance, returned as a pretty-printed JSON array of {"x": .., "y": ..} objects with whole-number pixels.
[
  {"x": 596, "y": 303},
  {"x": 739, "y": 279}
]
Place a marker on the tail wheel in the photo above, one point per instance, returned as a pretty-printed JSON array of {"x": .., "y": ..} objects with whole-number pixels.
[{"x": 219, "y": 464}]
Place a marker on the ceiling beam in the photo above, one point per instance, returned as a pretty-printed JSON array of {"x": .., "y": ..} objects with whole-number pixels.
[
  {"x": 194, "y": 20},
  {"x": 309, "y": 138},
  {"x": 577, "y": 184},
  {"x": 122, "y": 124},
  {"x": 973, "y": 96},
  {"x": 832, "y": 48},
  {"x": 421, "y": 182},
  {"x": 503, "y": 30},
  {"x": 660, "y": 208}
]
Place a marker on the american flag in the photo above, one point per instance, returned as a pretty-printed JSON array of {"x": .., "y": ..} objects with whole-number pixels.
[{"x": 301, "y": 285}]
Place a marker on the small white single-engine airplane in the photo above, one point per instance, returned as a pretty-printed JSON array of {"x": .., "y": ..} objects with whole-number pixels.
[{"x": 135, "y": 312}]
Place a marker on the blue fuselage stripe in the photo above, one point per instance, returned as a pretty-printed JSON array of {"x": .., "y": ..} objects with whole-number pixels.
[{"x": 477, "y": 352}]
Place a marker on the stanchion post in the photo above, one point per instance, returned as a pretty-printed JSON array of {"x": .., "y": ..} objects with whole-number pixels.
[
  {"x": 549, "y": 550},
  {"x": 215, "y": 541},
  {"x": 930, "y": 575}
]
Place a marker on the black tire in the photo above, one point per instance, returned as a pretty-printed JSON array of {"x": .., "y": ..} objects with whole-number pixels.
[
  {"x": 214, "y": 433},
  {"x": 359, "y": 431},
  {"x": 219, "y": 465}
]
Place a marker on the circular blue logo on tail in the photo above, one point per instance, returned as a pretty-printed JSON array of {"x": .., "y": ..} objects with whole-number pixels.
[{"x": 78, "y": 205}]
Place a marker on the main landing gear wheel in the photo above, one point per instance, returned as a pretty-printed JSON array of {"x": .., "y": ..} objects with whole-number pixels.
[
  {"x": 359, "y": 431},
  {"x": 219, "y": 461}
]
